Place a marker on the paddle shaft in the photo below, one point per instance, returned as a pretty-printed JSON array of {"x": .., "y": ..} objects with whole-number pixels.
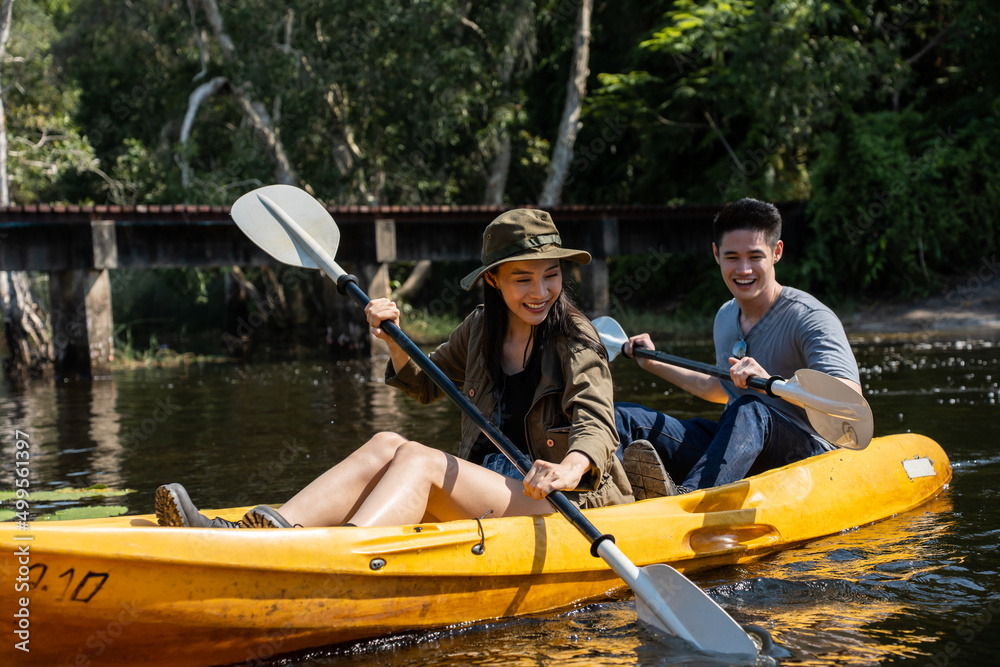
[
  {"x": 706, "y": 618},
  {"x": 763, "y": 384},
  {"x": 348, "y": 284}
]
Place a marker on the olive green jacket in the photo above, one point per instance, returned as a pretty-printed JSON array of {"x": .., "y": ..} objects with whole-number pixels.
[{"x": 572, "y": 409}]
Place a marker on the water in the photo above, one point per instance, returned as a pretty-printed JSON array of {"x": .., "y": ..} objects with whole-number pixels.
[{"x": 920, "y": 588}]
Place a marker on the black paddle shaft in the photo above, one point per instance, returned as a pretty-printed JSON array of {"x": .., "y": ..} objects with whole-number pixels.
[
  {"x": 719, "y": 372},
  {"x": 348, "y": 284}
]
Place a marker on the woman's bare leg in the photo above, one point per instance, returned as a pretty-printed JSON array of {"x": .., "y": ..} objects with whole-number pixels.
[
  {"x": 424, "y": 483},
  {"x": 338, "y": 493}
]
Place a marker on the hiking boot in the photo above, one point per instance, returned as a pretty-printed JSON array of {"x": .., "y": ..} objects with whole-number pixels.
[
  {"x": 646, "y": 473},
  {"x": 263, "y": 516},
  {"x": 174, "y": 508}
]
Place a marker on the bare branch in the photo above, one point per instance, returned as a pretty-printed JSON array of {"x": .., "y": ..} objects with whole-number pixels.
[
  {"x": 677, "y": 123},
  {"x": 258, "y": 117},
  {"x": 211, "y": 10},
  {"x": 202, "y": 55},
  {"x": 200, "y": 94},
  {"x": 5, "y": 13},
  {"x": 729, "y": 149},
  {"x": 927, "y": 47},
  {"x": 418, "y": 276}
]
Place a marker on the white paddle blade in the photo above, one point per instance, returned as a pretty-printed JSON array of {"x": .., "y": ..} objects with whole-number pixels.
[
  {"x": 707, "y": 624},
  {"x": 669, "y": 602},
  {"x": 837, "y": 412},
  {"x": 260, "y": 215},
  {"x": 612, "y": 335}
]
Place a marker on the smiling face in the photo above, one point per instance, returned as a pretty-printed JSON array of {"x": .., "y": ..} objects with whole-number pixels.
[
  {"x": 529, "y": 288},
  {"x": 747, "y": 264}
]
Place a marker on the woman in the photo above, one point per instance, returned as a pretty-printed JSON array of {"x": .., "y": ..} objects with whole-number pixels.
[{"x": 527, "y": 358}]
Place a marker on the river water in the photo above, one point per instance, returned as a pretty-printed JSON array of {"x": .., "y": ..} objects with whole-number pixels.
[{"x": 920, "y": 588}]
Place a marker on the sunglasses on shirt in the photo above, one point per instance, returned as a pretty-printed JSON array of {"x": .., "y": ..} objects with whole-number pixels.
[{"x": 740, "y": 349}]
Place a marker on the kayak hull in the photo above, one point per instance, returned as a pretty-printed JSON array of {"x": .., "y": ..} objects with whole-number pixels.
[{"x": 125, "y": 591}]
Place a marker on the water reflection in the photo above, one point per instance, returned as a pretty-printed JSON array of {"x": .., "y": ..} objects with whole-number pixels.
[
  {"x": 842, "y": 595},
  {"x": 898, "y": 590}
]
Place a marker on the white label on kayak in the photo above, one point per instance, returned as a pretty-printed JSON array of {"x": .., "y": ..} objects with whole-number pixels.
[{"x": 918, "y": 467}]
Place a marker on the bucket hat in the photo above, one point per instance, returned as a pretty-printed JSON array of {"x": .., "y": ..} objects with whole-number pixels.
[{"x": 522, "y": 234}]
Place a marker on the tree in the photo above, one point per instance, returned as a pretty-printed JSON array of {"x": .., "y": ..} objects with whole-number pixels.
[{"x": 26, "y": 334}]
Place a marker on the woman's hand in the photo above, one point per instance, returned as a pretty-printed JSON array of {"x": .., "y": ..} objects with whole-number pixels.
[
  {"x": 741, "y": 370},
  {"x": 546, "y": 477},
  {"x": 378, "y": 311}
]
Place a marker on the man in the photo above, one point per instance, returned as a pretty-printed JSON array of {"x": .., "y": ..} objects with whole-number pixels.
[{"x": 766, "y": 329}]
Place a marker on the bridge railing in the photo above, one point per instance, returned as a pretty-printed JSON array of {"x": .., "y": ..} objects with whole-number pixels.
[{"x": 77, "y": 245}]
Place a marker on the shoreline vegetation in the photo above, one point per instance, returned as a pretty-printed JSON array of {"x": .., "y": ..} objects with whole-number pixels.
[
  {"x": 970, "y": 305},
  {"x": 917, "y": 320}
]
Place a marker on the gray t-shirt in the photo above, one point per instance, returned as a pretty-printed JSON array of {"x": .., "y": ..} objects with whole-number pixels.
[{"x": 796, "y": 332}]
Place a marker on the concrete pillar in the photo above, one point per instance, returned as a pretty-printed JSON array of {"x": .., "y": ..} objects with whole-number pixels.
[
  {"x": 377, "y": 276},
  {"x": 82, "y": 321},
  {"x": 595, "y": 293},
  {"x": 82, "y": 325},
  {"x": 378, "y": 288}
]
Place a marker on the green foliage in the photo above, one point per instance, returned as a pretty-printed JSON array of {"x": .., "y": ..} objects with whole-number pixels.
[
  {"x": 46, "y": 149},
  {"x": 53, "y": 504},
  {"x": 685, "y": 285},
  {"x": 894, "y": 200},
  {"x": 738, "y": 91},
  {"x": 405, "y": 102},
  {"x": 163, "y": 309},
  {"x": 62, "y": 495}
]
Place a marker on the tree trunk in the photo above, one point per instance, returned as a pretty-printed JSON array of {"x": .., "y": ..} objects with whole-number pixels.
[
  {"x": 418, "y": 276},
  {"x": 199, "y": 95},
  {"x": 576, "y": 90},
  {"x": 5, "y": 13},
  {"x": 253, "y": 111},
  {"x": 24, "y": 329},
  {"x": 520, "y": 48},
  {"x": 497, "y": 183}
]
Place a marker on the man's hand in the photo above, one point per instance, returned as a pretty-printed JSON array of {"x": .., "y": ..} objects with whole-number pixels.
[
  {"x": 741, "y": 370},
  {"x": 639, "y": 342}
]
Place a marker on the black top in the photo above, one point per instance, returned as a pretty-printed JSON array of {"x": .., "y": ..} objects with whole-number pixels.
[{"x": 514, "y": 398}]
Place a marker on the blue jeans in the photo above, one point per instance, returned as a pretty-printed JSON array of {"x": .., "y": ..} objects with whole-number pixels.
[
  {"x": 499, "y": 463},
  {"x": 748, "y": 439}
]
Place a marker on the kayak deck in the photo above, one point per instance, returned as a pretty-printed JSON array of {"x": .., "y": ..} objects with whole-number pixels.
[{"x": 123, "y": 590}]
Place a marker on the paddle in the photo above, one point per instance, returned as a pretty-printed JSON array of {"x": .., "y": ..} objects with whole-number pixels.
[
  {"x": 295, "y": 229},
  {"x": 838, "y": 413}
]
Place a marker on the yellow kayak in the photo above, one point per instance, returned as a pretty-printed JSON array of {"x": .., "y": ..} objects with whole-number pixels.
[{"x": 125, "y": 591}]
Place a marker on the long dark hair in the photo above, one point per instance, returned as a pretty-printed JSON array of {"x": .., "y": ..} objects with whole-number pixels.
[{"x": 564, "y": 320}]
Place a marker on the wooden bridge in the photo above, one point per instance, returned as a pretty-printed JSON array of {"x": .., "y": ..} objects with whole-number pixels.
[{"x": 78, "y": 245}]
